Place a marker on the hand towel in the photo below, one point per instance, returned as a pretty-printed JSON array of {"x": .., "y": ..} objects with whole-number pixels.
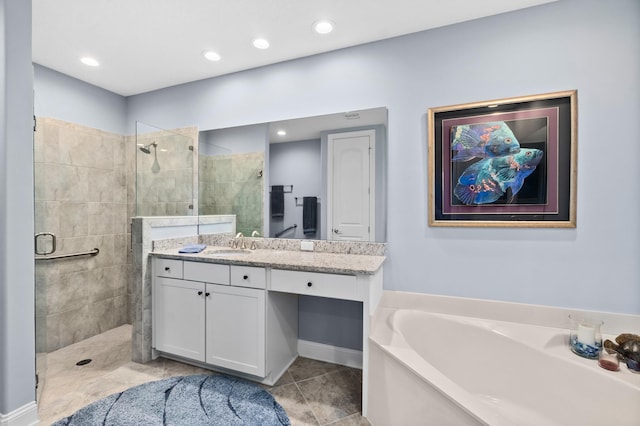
[
  {"x": 192, "y": 248},
  {"x": 277, "y": 201},
  {"x": 309, "y": 215}
]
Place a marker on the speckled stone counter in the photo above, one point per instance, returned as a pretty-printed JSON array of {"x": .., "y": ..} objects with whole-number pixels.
[{"x": 335, "y": 263}]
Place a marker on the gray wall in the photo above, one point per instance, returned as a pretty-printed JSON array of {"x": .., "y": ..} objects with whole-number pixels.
[
  {"x": 65, "y": 98},
  {"x": 330, "y": 321},
  {"x": 591, "y": 46},
  {"x": 298, "y": 164},
  {"x": 17, "y": 338}
]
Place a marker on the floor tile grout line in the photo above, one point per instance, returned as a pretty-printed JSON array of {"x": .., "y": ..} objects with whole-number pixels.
[
  {"x": 315, "y": 377},
  {"x": 307, "y": 403},
  {"x": 338, "y": 370}
]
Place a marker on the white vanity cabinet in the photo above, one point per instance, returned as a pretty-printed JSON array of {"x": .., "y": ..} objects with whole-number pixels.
[
  {"x": 235, "y": 324},
  {"x": 211, "y": 313},
  {"x": 179, "y": 313},
  {"x": 244, "y": 319},
  {"x": 236, "y": 321}
]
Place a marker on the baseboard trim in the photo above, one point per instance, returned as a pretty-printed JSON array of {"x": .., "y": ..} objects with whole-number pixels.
[
  {"x": 329, "y": 353},
  {"x": 27, "y": 415}
]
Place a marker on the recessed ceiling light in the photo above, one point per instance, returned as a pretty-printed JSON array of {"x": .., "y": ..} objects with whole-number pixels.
[
  {"x": 89, "y": 61},
  {"x": 492, "y": 106},
  {"x": 281, "y": 133},
  {"x": 260, "y": 43},
  {"x": 323, "y": 27},
  {"x": 211, "y": 55}
]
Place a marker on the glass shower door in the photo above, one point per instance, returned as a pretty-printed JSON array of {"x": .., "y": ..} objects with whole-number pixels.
[
  {"x": 43, "y": 244},
  {"x": 164, "y": 172}
]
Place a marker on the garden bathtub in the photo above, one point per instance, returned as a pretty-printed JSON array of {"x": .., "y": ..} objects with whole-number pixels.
[{"x": 437, "y": 368}]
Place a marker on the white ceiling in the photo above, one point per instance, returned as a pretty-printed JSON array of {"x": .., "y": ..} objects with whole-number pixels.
[{"x": 145, "y": 45}]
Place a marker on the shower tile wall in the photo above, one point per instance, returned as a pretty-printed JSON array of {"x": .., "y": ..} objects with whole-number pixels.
[
  {"x": 83, "y": 195},
  {"x": 233, "y": 184}
]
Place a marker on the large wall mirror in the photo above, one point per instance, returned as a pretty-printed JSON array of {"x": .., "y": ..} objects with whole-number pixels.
[{"x": 321, "y": 177}]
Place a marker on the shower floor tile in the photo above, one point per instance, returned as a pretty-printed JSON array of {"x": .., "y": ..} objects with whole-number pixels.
[{"x": 311, "y": 392}]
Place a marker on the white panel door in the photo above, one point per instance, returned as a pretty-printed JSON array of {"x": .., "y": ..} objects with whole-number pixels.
[
  {"x": 179, "y": 317},
  {"x": 236, "y": 328},
  {"x": 351, "y": 196}
]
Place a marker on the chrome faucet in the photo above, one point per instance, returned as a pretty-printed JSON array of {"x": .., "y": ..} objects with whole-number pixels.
[
  {"x": 253, "y": 242},
  {"x": 235, "y": 241}
]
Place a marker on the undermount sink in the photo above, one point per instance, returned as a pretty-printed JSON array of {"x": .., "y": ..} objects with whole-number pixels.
[{"x": 226, "y": 252}]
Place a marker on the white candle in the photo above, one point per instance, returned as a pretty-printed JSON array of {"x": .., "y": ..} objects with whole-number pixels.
[{"x": 586, "y": 334}]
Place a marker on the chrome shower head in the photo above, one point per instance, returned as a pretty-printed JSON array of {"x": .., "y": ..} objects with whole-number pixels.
[{"x": 146, "y": 149}]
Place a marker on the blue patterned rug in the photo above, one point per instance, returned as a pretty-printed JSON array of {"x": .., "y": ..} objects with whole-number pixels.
[{"x": 185, "y": 400}]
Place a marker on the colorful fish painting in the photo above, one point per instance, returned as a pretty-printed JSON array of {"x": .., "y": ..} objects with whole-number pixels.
[
  {"x": 483, "y": 140},
  {"x": 487, "y": 180}
]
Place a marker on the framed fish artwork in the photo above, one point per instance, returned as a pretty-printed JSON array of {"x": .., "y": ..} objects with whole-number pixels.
[{"x": 504, "y": 163}]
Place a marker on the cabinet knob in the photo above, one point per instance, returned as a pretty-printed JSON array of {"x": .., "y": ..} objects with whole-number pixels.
[
  {"x": 207, "y": 294},
  {"x": 246, "y": 277},
  {"x": 199, "y": 293},
  {"x": 166, "y": 268},
  {"x": 309, "y": 284}
]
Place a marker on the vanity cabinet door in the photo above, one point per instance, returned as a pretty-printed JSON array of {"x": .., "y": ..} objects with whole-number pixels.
[
  {"x": 179, "y": 315},
  {"x": 236, "y": 328}
]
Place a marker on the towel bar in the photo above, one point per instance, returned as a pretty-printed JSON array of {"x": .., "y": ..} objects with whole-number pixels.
[
  {"x": 300, "y": 205},
  {"x": 284, "y": 190}
]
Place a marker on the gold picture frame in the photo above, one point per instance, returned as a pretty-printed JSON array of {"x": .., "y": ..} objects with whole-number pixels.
[{"x": 504, "y": 163}]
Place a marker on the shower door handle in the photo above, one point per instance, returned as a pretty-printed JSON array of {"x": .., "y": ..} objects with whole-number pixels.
[{"x": 53, "y": 243}]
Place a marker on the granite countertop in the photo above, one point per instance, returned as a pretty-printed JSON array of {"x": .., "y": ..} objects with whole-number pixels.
[{"x": 348, "y": 264}]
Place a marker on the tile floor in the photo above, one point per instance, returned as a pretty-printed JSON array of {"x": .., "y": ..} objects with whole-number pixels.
[{"x": 311, "y": 392}]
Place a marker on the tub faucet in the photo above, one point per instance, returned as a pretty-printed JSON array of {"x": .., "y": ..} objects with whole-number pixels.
[{"x": 239, "y": 235}]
